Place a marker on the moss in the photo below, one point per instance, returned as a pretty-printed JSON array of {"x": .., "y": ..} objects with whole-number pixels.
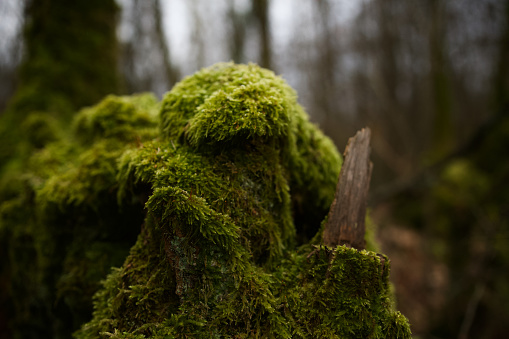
[
  {"x": 218, "y": 192},
  {"x": 65, "y": 229},
  {"x": 230, "y": 107},
  {"x": 339, "y": 293},
  {"x": 40, "y": 129},
  {"x": 217, "y": 256},
  {"x": 123, "y": 118}
]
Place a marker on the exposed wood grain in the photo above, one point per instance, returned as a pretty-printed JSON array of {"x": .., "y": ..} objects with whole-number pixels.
[{"x": 346, "y": 222}]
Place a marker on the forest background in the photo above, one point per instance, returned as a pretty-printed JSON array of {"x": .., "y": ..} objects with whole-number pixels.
[{"x": 430, "y": 78}]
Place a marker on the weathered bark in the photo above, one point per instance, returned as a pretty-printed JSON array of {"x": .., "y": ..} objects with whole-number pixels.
[{"x": 346, "y": 222}]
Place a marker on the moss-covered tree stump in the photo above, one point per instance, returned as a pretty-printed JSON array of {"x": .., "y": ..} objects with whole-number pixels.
[{"x": 226, "y": 188}]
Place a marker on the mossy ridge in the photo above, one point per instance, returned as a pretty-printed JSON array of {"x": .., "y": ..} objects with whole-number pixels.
[
  {"x": 216, "y": 196},
  {"x": 70, "y": 221}
]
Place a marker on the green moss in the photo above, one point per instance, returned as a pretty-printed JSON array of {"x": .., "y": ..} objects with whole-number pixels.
[
  {"x": 63, "y": 225},
  {"x": 219, "y": 197},
  {"x": 339, "y": 293},
  {"x": 217, "y": 256},
  {"x": 40, "y": 129},
  {"x": 230, "y": 107},
  {"x": 126, "y": 119}
]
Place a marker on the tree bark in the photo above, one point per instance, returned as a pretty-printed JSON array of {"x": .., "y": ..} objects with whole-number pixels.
[{"x": 346, "y": 221}]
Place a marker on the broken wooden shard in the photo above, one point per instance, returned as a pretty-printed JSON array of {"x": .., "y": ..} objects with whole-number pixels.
[{"x": 346, "y": 221}]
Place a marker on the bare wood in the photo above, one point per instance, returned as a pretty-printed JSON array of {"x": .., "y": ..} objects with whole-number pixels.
[{"x": 346, "y": 222}]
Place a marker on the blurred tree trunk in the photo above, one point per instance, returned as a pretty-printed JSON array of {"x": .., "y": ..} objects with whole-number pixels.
[
  {"x": 261, "y": 16},
  {"x": 145, "y": 56},
  {"x": 325, "y": 70},
  {"x": 501, "y": 93},
  {"x": 197, "y": 37},
  {"x": 237, "y": 32},
  {"x": 70, "y": 61},
  {"x": 135, "y": 52},
  {"x": 443, "y": 131},
  {"x": 71, "y": 55},
  {"x": 391, "y": 118},
  {"x": 171, "y": 73},
  {"x": 10, "y": 49}
]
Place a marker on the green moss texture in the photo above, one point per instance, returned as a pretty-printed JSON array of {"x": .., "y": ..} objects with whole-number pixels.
[
  {"x": 211, "y": 211},
  {"x": 61, "y": 228}
]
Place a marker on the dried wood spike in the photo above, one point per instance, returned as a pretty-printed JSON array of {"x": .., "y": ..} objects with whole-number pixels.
[{"x": 346, "y": 222}]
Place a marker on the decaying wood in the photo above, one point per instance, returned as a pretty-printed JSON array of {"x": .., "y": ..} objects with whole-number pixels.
[{"x": 346, "y": 222}]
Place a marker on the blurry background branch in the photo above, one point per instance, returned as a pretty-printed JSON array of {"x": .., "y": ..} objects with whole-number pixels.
[{"x": 428, "y": 175}]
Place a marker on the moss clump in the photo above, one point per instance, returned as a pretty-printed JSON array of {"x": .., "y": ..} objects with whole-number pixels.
[
  {"x": 237, "y": 109},
  {"x": 60, "y": 220},
  {"x": 217, "y": 253},
  {"x": 338, "y": 293},
  {"x": 125, "y": 119},
  {"x": 234, "y": 181}
]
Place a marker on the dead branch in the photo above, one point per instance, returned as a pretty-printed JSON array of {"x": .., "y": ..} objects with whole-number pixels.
[{"x": 346, "y": 221}]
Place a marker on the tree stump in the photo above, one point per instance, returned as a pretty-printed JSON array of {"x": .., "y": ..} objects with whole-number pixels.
[{"x": 346, "y": 221}]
